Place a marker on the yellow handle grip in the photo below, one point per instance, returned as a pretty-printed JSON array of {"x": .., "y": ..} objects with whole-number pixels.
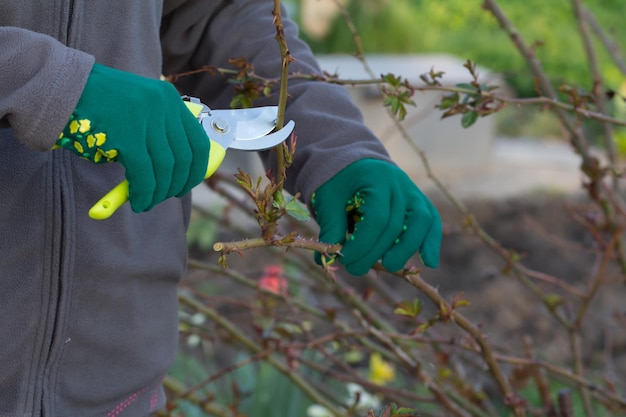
[
  {"x": 114, "y": 199},
  {"x": 216, "y": 157},
  {"x": 108, "y": 204}
]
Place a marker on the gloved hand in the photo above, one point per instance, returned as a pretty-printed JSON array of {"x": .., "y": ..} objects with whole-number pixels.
[
  {"x": 394, "y": 220},
  {"x": 143, "y": 124}
]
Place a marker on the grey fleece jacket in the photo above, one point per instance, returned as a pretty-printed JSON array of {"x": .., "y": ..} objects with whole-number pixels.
[{"x": 88, "y": 309}]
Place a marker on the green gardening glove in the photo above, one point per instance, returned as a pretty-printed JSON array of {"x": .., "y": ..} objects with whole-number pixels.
[
  {"x": 376, "y": 212},
  {"x": 143, "y": 124}
]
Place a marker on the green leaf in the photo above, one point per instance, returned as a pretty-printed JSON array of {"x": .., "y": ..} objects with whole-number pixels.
[
  {"x": 297, "y": 210},
  {"x": 404, "y": 412},
  {"x": 397, "y": 108},
  {"x": 410, "y": 309},
  {"x": 401, "y": 113},
  {"x": 392, "y": 79},
  {"x": 462, "y": 303},
  {"x": 553, "y": 300},
  {"x": 406, "y": 99},
  {"x": 449, "y": 101},
  {"x": 467, "y": 86},
  {"x": 353, "y": 356},
  {"x": 287, "y": 329},
  {"x": 279, "y": 199},
  {"x": 469, "y": 119}
]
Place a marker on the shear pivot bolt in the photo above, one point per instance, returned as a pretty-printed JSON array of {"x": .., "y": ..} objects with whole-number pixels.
[{"x": 220, "y": 125}]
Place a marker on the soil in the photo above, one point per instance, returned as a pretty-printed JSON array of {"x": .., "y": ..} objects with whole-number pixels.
[{"x": 546, "y": 234}]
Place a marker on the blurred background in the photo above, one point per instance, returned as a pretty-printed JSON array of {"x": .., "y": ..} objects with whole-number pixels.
[
  {"x": 409, "y": 38},
  {"x": 462, "y": 28}
]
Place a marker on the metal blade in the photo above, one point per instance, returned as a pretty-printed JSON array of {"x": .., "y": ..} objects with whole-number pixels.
[
  {"x": 264, "y": 142},
  {"x": 247, "y": 124},
  {"x": 245, "y": 129},
  {"x": 253, "y": 123}
]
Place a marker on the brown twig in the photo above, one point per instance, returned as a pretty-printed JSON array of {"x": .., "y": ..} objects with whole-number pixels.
[
  {"x": 577, "y": 138},
  {"x": 543, "y": 386},
  {"x": 486, "y": 350},
  {"x": 296, "y": 242},
  {"x": 597, "y": 280},
  {"x": 590, "y": 165},
  {"x": 254, "y": 348},
  {"x": 209, "y": 407},
  {"x": 553, "y": 103},
  {"x": 598, "y": 83},
  {"x": 566, "y": 405},
  {"x": 286, "y": 58},
  {"x": 579, "y": 369},
  {"x": 609, "y": 44}
]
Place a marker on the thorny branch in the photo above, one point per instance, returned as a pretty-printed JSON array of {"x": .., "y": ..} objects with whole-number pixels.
[{"x": 383, "y": 333}]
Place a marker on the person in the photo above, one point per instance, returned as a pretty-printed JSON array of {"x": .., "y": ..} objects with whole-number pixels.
[{"x": 89, "y": 308}]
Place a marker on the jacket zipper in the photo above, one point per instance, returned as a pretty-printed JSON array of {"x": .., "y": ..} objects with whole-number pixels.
[
  {"x": 59, "y": 270},
  {"x": 58, "y": 282}
]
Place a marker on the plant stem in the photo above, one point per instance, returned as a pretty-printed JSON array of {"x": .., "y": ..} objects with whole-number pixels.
[
  {"x": 210, "y": 408},
  {"x": 579, "y": 369},
  {"x": 590, "y": 165},
  {"x": 598, "y": 89},
  {"x": 296, "y": 242},
  {"x": 282, "y": 95},
  {"x": 486, "y": 350},
  {"x": 608, "y": 43},
  {"x": 250, "y": 345}
]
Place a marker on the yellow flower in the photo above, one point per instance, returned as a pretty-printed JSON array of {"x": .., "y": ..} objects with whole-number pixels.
[
  {"x": 85, "y": 125},
  {"x": 74, "y": 127},
  {"x": 100, "y": 138},
  {"x": 381, "y": 371},
  {"x": 78, "y": 147},
  {"x": 111, "y": 155},
  {"x": 91, "y": 141}
]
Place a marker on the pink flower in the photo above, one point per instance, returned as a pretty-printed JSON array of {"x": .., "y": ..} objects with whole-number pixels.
[{"x": 273, "y": 280}]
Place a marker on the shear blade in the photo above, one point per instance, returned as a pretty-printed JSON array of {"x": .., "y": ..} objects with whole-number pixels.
[
  {"x": 266, "y": 141},
  {"x": 261, "y": 122}
]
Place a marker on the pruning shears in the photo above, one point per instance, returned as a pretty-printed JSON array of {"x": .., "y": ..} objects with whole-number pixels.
[{"x": 243, "y": 129}]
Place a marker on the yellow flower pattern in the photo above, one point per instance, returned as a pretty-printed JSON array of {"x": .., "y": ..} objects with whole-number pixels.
[
  {"x": 73, "y": 127},
  {"x": 79, "y": 137},
  {"x": 84, "y": 125}
]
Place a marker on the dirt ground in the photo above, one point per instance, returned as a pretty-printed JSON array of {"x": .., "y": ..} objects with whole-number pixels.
[{"x": 543, "y": 230}]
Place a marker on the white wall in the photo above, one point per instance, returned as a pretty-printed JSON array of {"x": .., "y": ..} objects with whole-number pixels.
[{"x": 448, "y": 146}]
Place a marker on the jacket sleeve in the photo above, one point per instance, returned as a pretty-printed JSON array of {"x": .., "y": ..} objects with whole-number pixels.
[
  {"x": 329, "y": 128},
  {"x": 41, "y": 81}
]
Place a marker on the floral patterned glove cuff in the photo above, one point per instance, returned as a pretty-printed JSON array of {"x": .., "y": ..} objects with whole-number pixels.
[
  {"x": 144, "y": 125},
  {"x": 79, "y": 138}
]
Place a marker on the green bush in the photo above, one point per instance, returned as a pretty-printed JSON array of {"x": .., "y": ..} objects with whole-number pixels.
[{"x": 463, "y": 28}]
